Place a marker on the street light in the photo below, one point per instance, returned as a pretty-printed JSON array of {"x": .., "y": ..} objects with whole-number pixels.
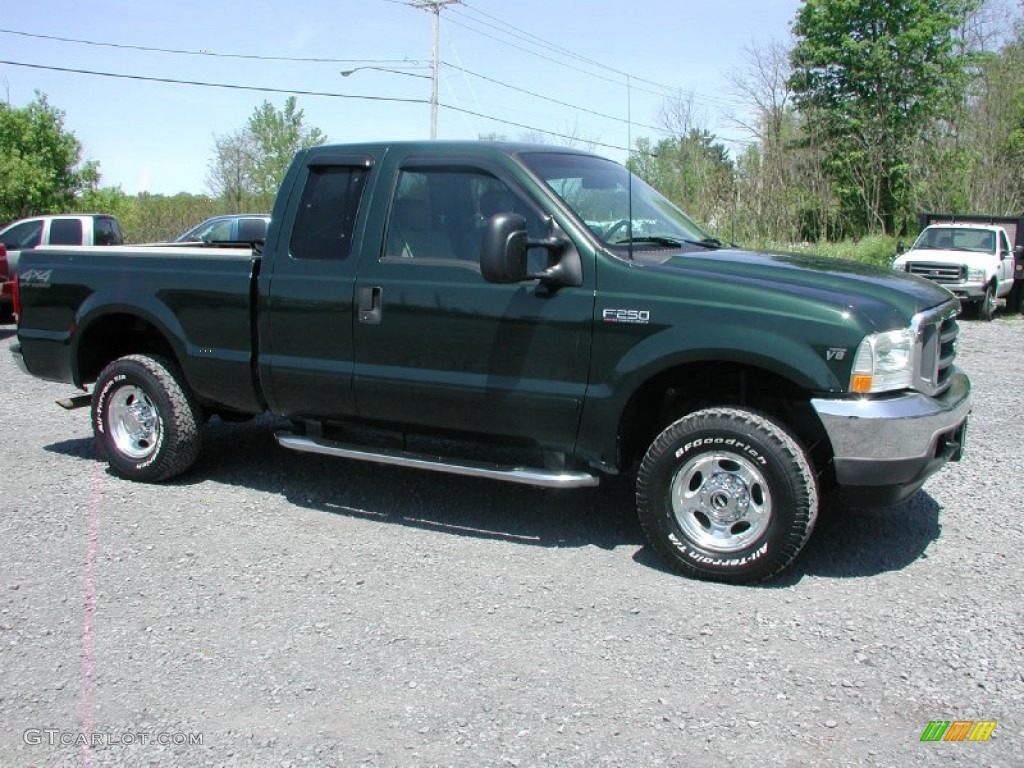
[
  {"x": 433, "y": 97},
  {"x": 347, "y": 72}
]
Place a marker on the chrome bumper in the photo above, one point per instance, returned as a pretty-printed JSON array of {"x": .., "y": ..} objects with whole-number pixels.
[
  {"x": 968, "y": 291},
  {"x": 898, "y": 441}
]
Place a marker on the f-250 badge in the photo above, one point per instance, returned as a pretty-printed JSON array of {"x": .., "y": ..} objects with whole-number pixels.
[{"x": 634, "y": 316}]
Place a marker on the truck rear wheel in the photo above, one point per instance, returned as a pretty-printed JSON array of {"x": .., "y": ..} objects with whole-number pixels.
[
  {"x": 727, "y": 494},
  {"x": 144, "y": 419},
  {"x": 1013, "y": 298}
]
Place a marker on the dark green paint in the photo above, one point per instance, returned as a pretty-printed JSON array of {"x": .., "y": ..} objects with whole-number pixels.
[{"x": 451, "y": 351}]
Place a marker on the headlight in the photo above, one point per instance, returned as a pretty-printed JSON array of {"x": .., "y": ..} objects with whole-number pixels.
[
  {"x": 884, "y": 362},
  {"x": 973, "y": 273}
]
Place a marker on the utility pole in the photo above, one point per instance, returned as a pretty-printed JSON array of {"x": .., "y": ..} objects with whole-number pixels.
[{"x": 435, "y": 7}]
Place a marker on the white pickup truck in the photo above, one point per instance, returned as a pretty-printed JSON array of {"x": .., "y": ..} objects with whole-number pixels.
[
  {"x": 977, "y": 258},
  {"x": 51, "y": 229},
  {"x": 59, "y": 229}
]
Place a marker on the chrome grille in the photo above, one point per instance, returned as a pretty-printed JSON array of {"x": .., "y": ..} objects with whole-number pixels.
[
  {"x": 938, "y": 273},
  {"x": 936, "y": 332}
]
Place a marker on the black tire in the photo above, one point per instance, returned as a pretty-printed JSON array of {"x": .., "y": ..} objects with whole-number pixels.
[
  {"x": 727, "y": 494},
  {"x": 987, "y": 305},
  {"x": 1013, "y": 298},
  {"x": 145, "y": 420}
]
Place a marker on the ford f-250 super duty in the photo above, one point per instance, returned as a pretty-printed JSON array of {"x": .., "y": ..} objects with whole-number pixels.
[{"x": 543, "y": 316}]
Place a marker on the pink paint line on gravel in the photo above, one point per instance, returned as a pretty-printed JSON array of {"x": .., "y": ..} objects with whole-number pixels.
[{"x": 89, "y": 613}]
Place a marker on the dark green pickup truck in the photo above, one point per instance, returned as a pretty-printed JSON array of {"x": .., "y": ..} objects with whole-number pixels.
[{"x": 540, "y": 315}]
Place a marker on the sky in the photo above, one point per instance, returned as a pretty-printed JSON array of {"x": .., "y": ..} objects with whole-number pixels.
[{"x": 595, "y": 71}]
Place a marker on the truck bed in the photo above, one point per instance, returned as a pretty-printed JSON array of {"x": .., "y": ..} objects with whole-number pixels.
[{"x": 199, "y": 298}]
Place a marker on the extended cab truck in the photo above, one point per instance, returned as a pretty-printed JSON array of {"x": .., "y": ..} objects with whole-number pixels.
[
  {"x": 978, "y": 258},
  {"x": 526, "y": 302}
]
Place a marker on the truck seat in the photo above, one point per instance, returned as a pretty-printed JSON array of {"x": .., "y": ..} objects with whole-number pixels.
[{"x": 411, "y": 232}]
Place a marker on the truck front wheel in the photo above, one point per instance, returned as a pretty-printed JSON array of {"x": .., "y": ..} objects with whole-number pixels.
[
  {"x": 144, "y": 419},
  {"x": 727, "y": 494}
]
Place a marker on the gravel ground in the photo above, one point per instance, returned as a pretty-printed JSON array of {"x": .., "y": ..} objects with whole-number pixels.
[{"x": 286, "y": 609}]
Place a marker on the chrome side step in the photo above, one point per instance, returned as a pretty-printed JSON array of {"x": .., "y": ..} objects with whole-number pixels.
[{"x": 526, "y": 475}]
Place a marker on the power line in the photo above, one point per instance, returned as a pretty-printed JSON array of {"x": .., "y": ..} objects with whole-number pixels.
[
  {"x": 183, "y": 52},
  {"x": 503, "y": 26},
  {"x": 548, "y": 98},
  {"x": 411, "y": 63},
  {"x": 203, "y": 84},
  {"x": 292, "y": 91}
]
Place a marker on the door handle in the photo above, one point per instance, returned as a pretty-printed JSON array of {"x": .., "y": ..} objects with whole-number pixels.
[{"x": 369, "y": 304}]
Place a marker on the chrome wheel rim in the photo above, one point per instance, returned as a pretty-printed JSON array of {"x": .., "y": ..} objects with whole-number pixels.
[
  {"x": 133, "y": 422},
  {"x": 721, "y": 502}
]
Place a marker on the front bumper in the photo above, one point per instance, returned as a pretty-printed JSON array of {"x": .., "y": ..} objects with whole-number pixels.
[
  {"x": 887, "y": 448},
  {"x": 967, "y": 291}
]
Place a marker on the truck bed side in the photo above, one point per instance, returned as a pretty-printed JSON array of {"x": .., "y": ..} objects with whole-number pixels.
[{"x": 83, "y": 307}]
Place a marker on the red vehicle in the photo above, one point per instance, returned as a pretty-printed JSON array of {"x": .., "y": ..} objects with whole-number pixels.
[{"x": 6, "y": 287}]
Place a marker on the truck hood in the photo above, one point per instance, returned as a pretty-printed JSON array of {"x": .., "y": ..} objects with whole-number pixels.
[{"x": 884, "y": 298}]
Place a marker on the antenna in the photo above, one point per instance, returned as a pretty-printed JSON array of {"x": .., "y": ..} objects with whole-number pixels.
[
  {"x": 629, "y": 173},
  {"x": 435, "y": 7}
]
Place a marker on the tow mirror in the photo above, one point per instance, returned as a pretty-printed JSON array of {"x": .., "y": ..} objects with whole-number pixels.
[
  {"x": 503, "y": 254},
  {"x": 503, "y": 251},
  {"x": 901, "y": 248}
]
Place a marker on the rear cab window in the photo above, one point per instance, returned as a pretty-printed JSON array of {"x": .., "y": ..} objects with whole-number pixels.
[
  {"x": 106, "y": 231},
  {"x": 327, "y": 212},
  {"x": 66, "y": 232}
]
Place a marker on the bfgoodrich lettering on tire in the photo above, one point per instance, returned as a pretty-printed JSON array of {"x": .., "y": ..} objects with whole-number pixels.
[
  {"x": 727, "y": 494},
  {"x": 144, "y": 418}
]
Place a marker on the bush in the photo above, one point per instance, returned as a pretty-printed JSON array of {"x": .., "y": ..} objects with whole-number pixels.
[{"x": 879, "y": 250}]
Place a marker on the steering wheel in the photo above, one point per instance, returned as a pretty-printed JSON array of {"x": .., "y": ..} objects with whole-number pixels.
[{"x": 615, "y": 228}]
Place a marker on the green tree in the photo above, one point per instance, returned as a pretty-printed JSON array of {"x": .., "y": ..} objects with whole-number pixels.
[
  {"x": 230, "y": 176},
  {"x": 994, "y": 132},
  {"x": 248, "y": 165},
  {"x": 277, "y": 135},
  {"x": 694, "y": 171},
  {"x": 41, "y": 167},
  {"x": 869, "y": 76}
]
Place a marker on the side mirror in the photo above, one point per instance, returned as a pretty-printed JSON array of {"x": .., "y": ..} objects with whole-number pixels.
[
  {"x": 503, "y": 254},
  {"x": 503, "y": 251},
  {"x": 901, "y": 248},
  {"x": 1018, "y": 250}
]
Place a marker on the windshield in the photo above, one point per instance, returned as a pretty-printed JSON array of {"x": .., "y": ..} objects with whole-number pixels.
[
  {"x": 598, "y": 192},
  {"x": 957, "y": 239}
]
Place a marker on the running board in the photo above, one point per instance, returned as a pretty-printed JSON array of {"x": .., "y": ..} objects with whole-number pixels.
[{"x": 526, "y": 475}]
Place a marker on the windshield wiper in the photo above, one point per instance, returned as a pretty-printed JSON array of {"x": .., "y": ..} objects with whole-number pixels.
[
  {"x": 671, "y": 242},
  {"x": 707, "y": 242}
]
